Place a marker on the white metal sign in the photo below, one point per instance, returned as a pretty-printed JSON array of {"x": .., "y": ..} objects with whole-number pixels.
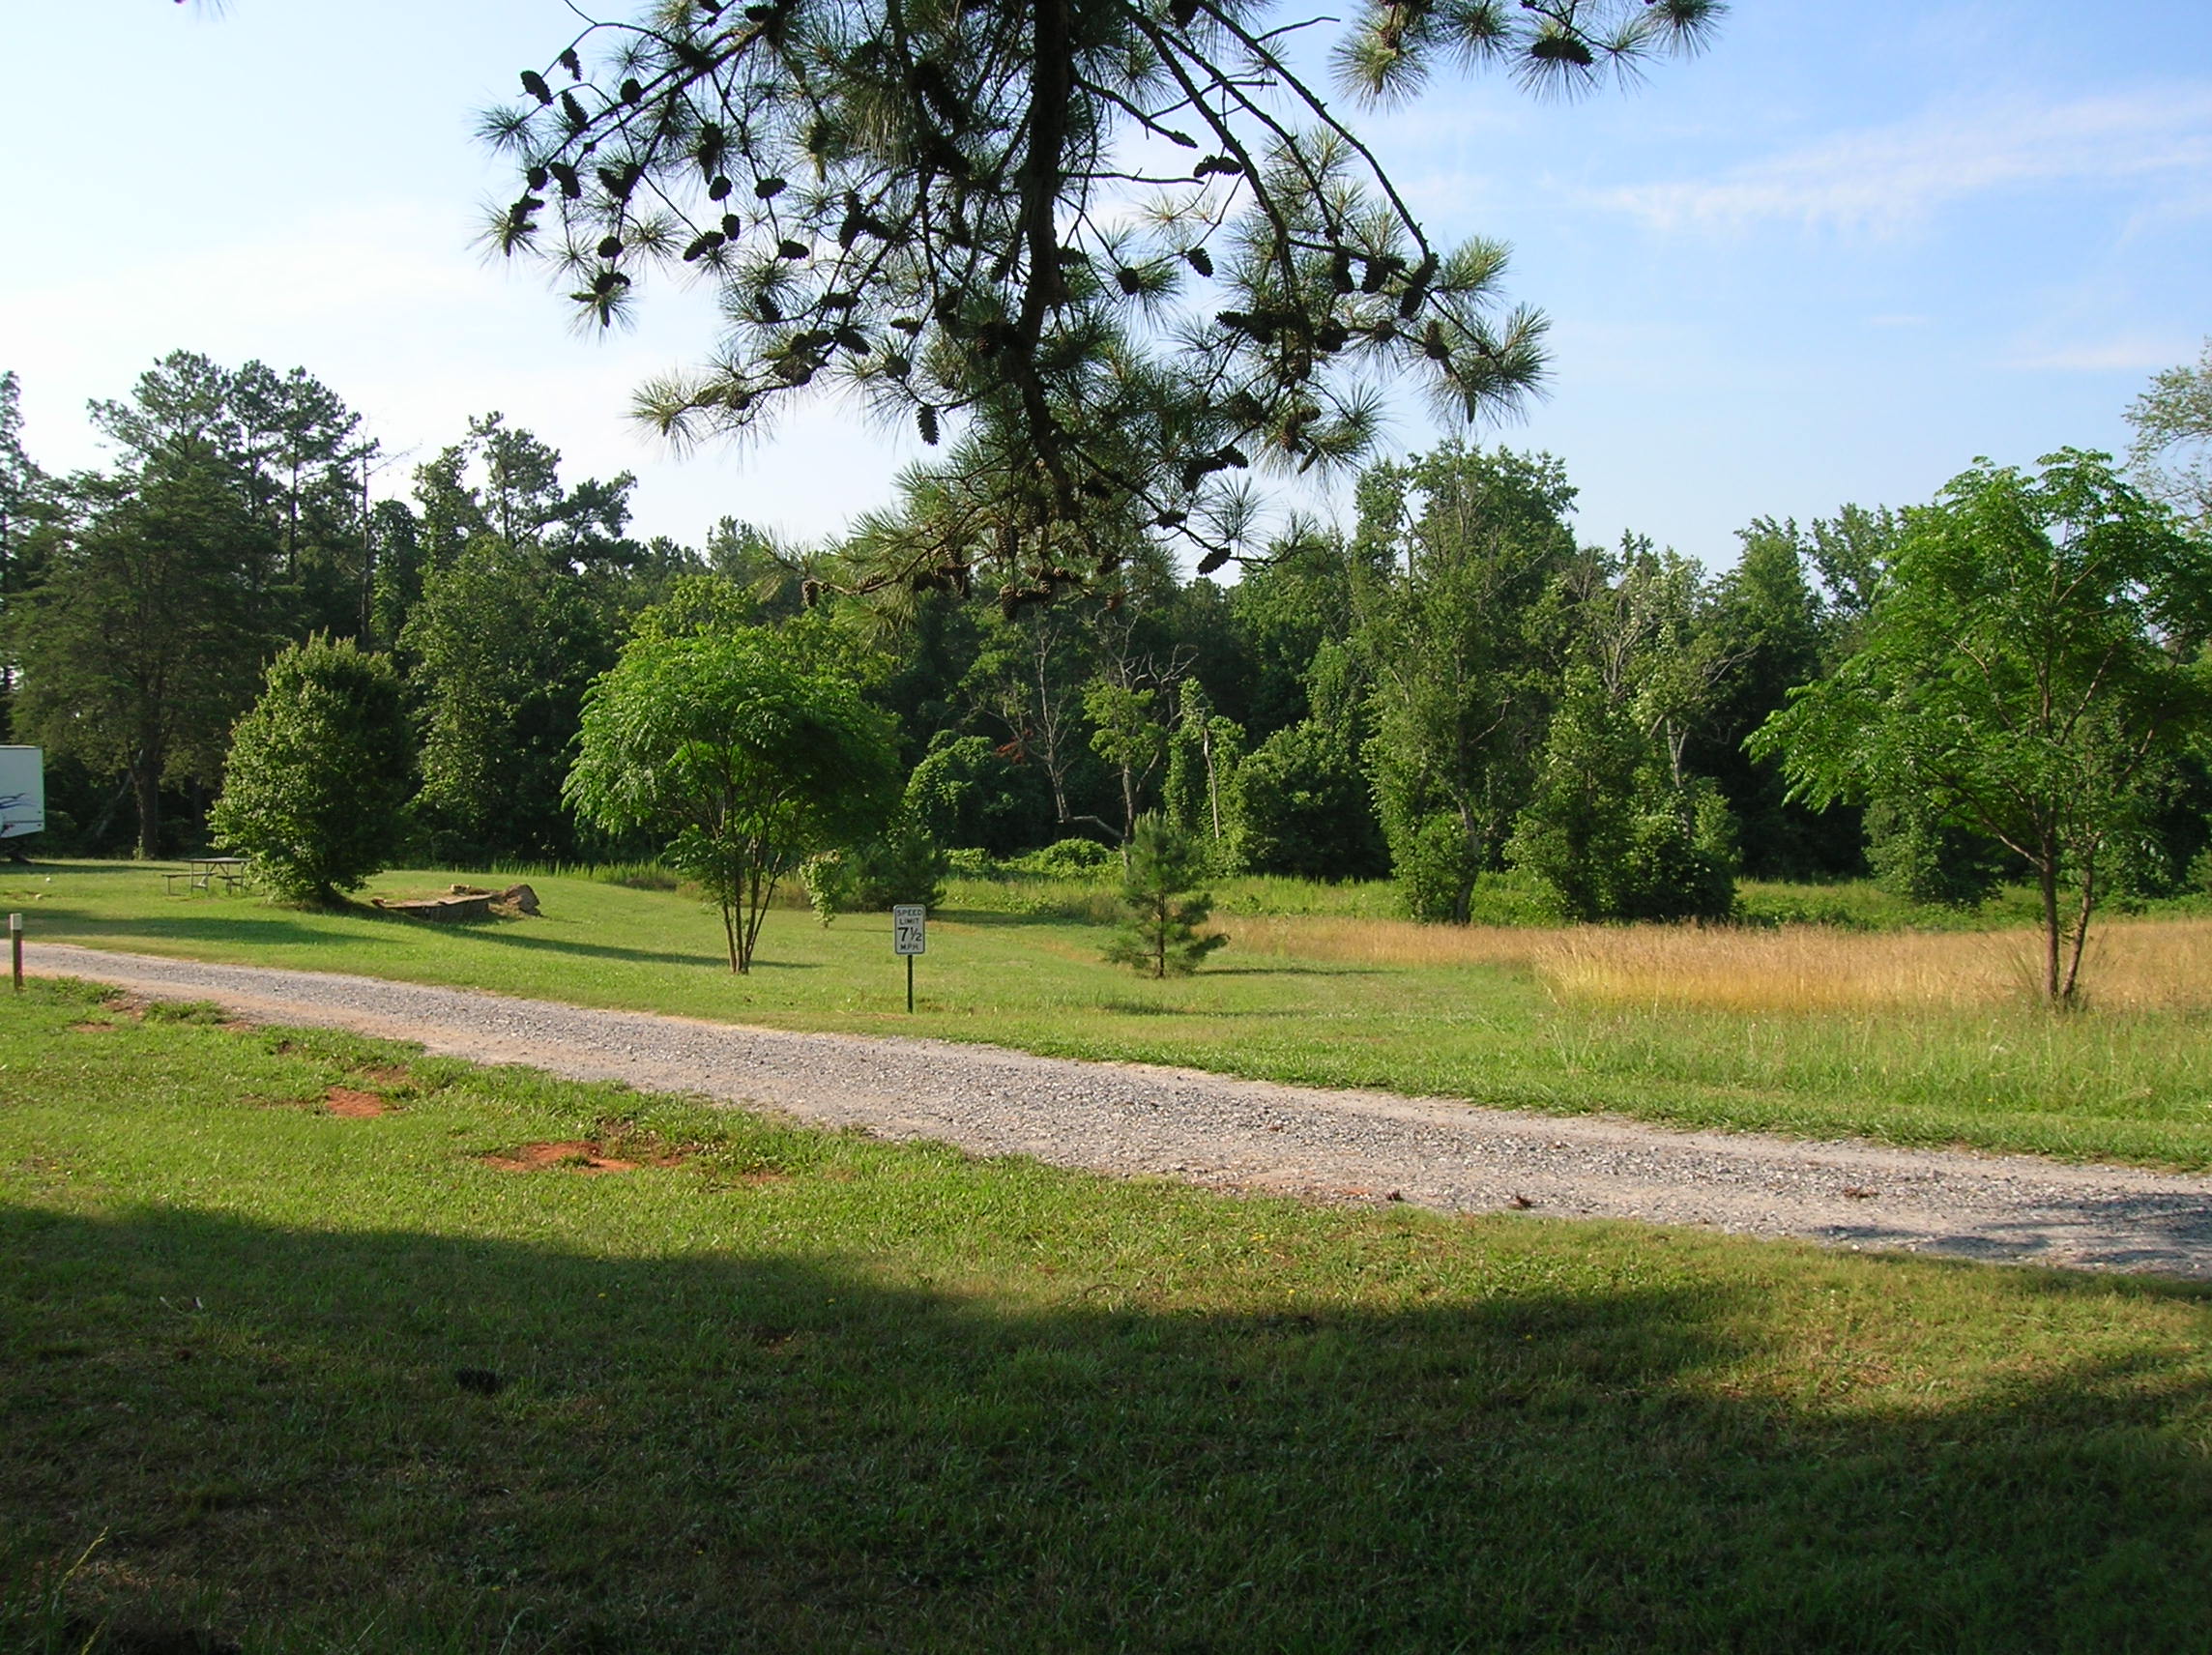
[{"x": 910, "y": 929}]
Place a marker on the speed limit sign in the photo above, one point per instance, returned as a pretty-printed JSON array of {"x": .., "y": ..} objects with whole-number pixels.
[{"x": 910, "y": 936}]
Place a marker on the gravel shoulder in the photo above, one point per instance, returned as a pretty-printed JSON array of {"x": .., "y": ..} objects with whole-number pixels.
[{"x": 1136, "y": 1119}]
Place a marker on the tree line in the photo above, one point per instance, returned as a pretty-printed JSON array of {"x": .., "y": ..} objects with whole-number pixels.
[{"x": 1444, "y": 687}]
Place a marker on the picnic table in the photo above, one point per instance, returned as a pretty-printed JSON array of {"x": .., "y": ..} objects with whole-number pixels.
[{"x": 206, "y": 873}]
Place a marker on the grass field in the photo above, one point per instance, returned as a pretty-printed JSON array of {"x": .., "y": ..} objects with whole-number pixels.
[
  {"x": 283, "y": 1371},
  {"x": 1922, "y": 1045}
]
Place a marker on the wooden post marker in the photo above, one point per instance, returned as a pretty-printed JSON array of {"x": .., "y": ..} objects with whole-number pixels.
[
  {"x": 910, "y": 936},
  {"x": 15, "y": 946}
]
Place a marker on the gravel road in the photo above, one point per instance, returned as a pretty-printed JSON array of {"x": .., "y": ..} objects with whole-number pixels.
[{"x": 1132, "y": 1118}]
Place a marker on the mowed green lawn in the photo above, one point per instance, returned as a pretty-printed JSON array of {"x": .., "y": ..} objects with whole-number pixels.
[
  {"x": 280, "y": 1379},
  {"x": 2133, "y": 1086}
]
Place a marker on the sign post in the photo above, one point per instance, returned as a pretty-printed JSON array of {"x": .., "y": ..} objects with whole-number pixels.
[
  {"x": 15, "y": 946},
  {"x": 910, "y": 936}
]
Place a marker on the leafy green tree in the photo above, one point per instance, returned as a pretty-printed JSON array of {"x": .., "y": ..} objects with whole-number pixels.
[
  {"x": 744, "y": 751},
  {"x": 503, "y": 482},
  {"x": 1306, "y": 596},
  {"x": 1161, "y": 902},
  {"x": 1611, "y": 829},
  {"x": 2172, "y": 450},
  {"x": 395, "y": 569},
  {"x": 1199, "y": 791},
  {"x": 526, "y": 587},
  {"x": 1303, "y": 808},
  {"x": 143, "y": 641},
  {"x": 1616, "y": 822},
  {"x": 968, "y": 794},
  {"x": 1131, "y": 249},
  {"x": 1126, "y": 733},
  {"x": 22, "y": 488},
  {"x": 316, "y": 787},
  {"x": 501, "y": 650},
  {"x": 1462, "y": 685},
  {"x": 2028, "y": 668},
  {"x": 1769, "y": 634}
]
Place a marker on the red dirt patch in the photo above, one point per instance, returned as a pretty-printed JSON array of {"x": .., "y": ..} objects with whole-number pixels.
[
  {"x": 93, "y": 1028},
  {"x": 574, "y": 1155},
  {"x": 354, "y": 1105}
]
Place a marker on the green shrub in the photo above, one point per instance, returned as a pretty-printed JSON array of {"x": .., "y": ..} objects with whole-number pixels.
[
  {"x": 1613, "y": 832},
  {"x": 1065, "y": 859},
  {"x": 1436, "y": 869},
  {"x": 966, "y": 792},
  {"x": 315, "y": 789},
  {"x": 1302, "y": 808},
  {"x": 1922, "y": 861},
  {"x": 830, "y": 883},
  {"x": 907, "y": 864}
]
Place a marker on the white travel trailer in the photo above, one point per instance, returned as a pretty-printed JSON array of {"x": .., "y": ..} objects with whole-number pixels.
[{"x": 22, "y": 792}]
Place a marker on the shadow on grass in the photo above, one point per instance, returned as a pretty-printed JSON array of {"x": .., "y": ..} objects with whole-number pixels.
[
  {"x": 1212, "y": 1013},
  {"x": 261, "y": 926},
  {"x": 708, "y": 1453},
  {"x": 1290, "y": 971},
  {"x": 276, "y": 928},
  {"x": 519, "y": 940},
  {"x": 145, "y": 870},
  {"x": 996, "y": 919}
]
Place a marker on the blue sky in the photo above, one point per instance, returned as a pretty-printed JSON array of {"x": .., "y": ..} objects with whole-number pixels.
[{"x": 1835, "y": 259}]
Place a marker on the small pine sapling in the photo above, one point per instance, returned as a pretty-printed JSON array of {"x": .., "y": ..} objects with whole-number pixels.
[{"x": 1161, "y": 901}]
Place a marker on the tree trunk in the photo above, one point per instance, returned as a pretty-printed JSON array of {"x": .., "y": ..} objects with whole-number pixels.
[
  {"x": 2047, "y": 873},
  {"x": 1212, "y": 787},
  {"x": 2072, "y": 986},
  {"x": 368, "y": 563},
  {"x": 146, "y": 791},
  {"x": 107, "y": 812}
]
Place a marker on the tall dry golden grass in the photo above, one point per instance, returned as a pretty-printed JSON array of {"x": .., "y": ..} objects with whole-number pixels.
[{"x": 2141, "y": 965}]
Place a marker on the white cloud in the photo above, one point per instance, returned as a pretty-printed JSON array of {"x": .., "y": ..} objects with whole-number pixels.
[{"x": 1884, "y": 179}]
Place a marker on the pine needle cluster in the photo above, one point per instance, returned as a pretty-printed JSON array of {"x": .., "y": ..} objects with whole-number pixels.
[{"x": 1119, "y": 253}]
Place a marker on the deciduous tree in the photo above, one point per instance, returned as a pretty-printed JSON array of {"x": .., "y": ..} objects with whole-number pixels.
[
  {"x": 145, "y": 636},
  {"x": 2030, "y": 663},
  {"x": 316, "y": 785},
  {"x": 740, "y": 748},
  {"x": 2172, "y": 452},
  {"x": 1470, "y": 543}
]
